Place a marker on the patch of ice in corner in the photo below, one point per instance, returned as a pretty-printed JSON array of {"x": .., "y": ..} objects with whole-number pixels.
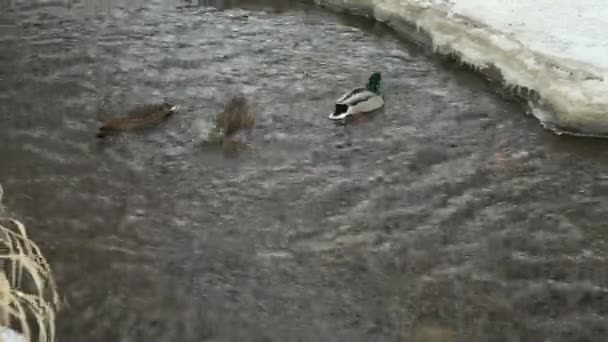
[
  {"x": 557, "y": 48},
  {"x": 10, "y": 335}
]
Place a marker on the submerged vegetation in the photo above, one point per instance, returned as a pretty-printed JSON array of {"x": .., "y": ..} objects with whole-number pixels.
[{"x": 28, "y": 292}]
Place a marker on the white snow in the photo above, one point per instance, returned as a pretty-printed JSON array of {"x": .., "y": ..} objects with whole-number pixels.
[
  {"x": 559, "y": 48},
  {"x": 560, "y": 28},
  {"x": 10, "y": 335}
]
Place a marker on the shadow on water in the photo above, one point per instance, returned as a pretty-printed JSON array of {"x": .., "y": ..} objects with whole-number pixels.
[
  {"x": 450, "y": 216},
  {"x": 580, "y": 147},
  {"x": 277, "y": 6}
]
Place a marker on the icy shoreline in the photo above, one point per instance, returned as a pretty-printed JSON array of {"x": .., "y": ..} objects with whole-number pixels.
[{"x": 529, "y": 50}]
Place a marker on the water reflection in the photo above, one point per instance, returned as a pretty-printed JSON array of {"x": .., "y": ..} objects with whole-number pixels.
[{"x": 106, "y": 6}]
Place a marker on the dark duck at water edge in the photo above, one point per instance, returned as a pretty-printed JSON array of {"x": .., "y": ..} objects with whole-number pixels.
[
  {"x": 360, "y": 100},
  {"x": 141, "y": 117}
]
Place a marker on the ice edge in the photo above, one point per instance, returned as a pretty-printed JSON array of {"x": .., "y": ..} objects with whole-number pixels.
[{"x": 569, "y": 97}]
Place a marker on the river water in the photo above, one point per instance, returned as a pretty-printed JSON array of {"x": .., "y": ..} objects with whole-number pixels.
[{"x": 448, "y": 216}]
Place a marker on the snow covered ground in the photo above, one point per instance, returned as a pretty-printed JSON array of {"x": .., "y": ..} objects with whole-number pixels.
[{"x": 559, "y": 48}]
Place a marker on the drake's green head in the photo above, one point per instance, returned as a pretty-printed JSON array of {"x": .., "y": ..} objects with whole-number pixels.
[{"x": 373, "y": 84}]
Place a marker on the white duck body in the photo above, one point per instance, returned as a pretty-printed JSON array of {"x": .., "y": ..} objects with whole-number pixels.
[{"x": 358, "y": 100}]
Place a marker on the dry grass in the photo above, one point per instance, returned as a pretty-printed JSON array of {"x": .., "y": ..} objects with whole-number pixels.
[{"x": 23, "y": 264}]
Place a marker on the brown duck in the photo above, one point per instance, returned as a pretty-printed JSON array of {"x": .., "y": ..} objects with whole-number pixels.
[
  {"x": 237, "y": 116},
  {"x": 141, "y": 117}
]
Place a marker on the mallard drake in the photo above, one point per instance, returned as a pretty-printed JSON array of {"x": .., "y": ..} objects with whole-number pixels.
[
  {"x": 360, "y": 100},
  {"x": 140, "y": 117}
]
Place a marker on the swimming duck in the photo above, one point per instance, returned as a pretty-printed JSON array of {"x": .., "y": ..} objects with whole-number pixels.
[
  {"x": 360, "y": 100},
  {"x": 141, "y": 117},
  {"x": 237, "y": 116}
]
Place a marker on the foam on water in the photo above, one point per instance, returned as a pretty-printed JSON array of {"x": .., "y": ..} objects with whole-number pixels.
[{"x": 526, "y": 43}]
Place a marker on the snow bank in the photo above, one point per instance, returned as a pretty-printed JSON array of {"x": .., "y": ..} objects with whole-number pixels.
[
  {"x": 10, "y": 335},
  {"x": 556, "y": 48}
]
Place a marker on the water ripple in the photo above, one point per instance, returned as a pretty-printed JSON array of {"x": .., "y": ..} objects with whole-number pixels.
[{"x": 447, "y": 211}]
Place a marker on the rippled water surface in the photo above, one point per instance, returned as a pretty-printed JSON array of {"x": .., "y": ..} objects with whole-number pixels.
[{"x": 450, "y": 212}]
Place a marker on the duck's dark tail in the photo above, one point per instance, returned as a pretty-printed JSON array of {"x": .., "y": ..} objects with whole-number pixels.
[
  {"x": 101, "y": 132},
  {"x": 341, "y": 108},
  {"x": 104, "y": 131}
]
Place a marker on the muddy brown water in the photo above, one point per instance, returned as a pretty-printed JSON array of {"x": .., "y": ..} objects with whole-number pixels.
[{"x": 450, "y": 212}]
